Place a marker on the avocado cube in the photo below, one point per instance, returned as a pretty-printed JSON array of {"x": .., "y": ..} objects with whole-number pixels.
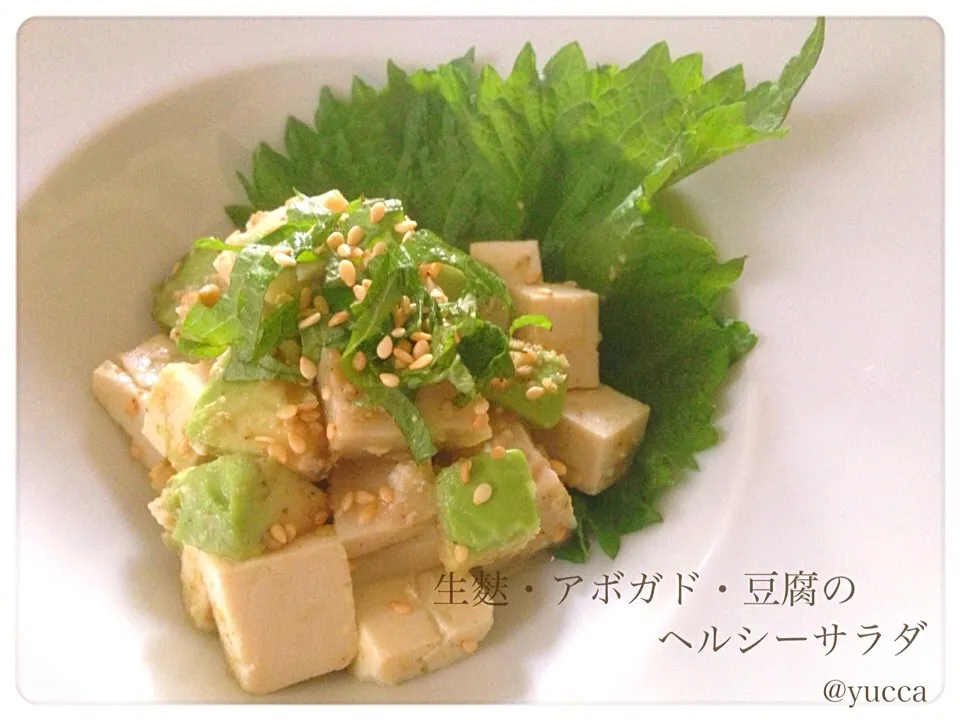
[
  {"x": 516, "y": 261},
  {"x": 380, "y": 501},
  {"x": 357, "y": 431},
  {"x": 228, "y": 506},
  {"x": 168, "y": 405},
  {"x": 538, "y": 388},
  {"x": 491, "y": 516},
  {"x": 144, "y": 363},
  {"x": 125, "y": 403},
  {"x": 450, "y": 426},
  {"x": 406, "y": 628},
  {"x": 252, "y": 417},
  {"x": 419, "y": 552},
  {"x": 576, "y": 327},
  {"x": 596, "y": 437},
  {"x": 179, "y": 290},
  {"x": 286, "y": 616}
]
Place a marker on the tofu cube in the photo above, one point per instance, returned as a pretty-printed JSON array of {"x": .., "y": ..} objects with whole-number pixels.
[
  {"x": 417, "y": 553},
  {"x": 285, "y": 616},
  {"x": 407, "y": 627},
  {"x": 358, "y": 431},
  {"x": 125, "y": 403},
  {"x": 576, "y": 327},
  {"x": 516, "y": 261},
  {"x": 596, "y": 438},
  {"x": 168, "y": 405},
  {"x": 363, "y": 519},
  {"x": 144, "y": 363},
  {"x": 450, "y": 426},
  {"x": 196, "y": 602}
]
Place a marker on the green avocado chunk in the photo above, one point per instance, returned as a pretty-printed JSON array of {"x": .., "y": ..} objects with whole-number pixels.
[
  {"x": 508, "y": 518},
  {"x": 227, "y": 506},
  {"x": 192, "y": 271},
  {"x": 549, "y": 374}
]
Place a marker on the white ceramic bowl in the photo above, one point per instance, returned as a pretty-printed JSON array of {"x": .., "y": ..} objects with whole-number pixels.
[{"x": 130, "y": 133}]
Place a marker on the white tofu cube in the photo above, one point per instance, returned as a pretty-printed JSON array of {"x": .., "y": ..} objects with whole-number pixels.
[
  {"x": 516, "y": 261},
  {"x": 169, "y": 404},
  {"x": 450, "y": 426},
  {"x": 596, "y": 437},
  {"x": 419, "y": 552},
  {"x": 358, "y": 431},
  {"x": 576, "y": 327},
  {"x": 125, "y": 404},
  {"x": 365, "y": 521},
  {"x": 407, "y": 627},
  {"x": 196, "y": 602},
  {"x": 144, "y": 363},
  {"x": 286, "y": 616}
]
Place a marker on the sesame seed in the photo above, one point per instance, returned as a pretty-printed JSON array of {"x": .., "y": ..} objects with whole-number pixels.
[
  {"x": 379, "y": 248},
  {"x": 308, "y": 368},
  {"x": 305, "y": 298},
  {"x": 338, "y": 318},
  {"x": 348, "y": 273},
  {"x": 398, "y": 332},
  {"x": 420, "y": 348},
  {"x": 386, "y": 494},
  {"x": 283, "y": 260},
  {"x": 331, "y": 431},
  {"x": 389, "y": 379},
  {"x": 526, "y": 370},
  {"x": 322, "y": 517},
  {"x": 483, "y": 493},
  {"x": 309, "y": 416},
  {"x": 347, "y": 502},
  {"x": 334, "y": 201},
  {"x": 309, "y": 320},
  {"x": 559, "y": 535},
  {"x": 464, "y": 468},
  {"x": 265, "y": 439},
  {"x": 278, "y": 451},
  {"x": 287, "y": 412},
  {"x": 528, "y": 357},
  {"x": 420, "y": 335},
  {"x": 360, "y": 292},
  {"x": 291, "y": 531},
  {"x": 402, "y": 356},
  {"x": 367, "y": 515},
  {"x": 209, "y": 294},
  {"x": 311, "y": 403},
  {"x": 421, "y": 362},
  {"x": 321, "y": 305},
  {"x": 401, "y": 608},
  {"x": 469, "y": 646},
  {"x": 359, "y": 362},
  {"x": 278, "y": 533},
  {"x": 438, "y": 295},
  {"x": 558, "y": 467},
  {"x": 405, "y": 226},
  {"x": 377, "y": 212},
  {"x": 132, "y": 406},
  {"x": 385, "y": 347},
  {"x": 364, "y": 498},
  {"x": 534, "y": 392},
  {"x": 367, "y": 282},
  {"x": 406, "y": 236},
  {"x": 481, "y": 405},
  {"x": 325, "y": 392},
  {"x": 498, "y": 452},
  {"x": 297, "y": 443},
  {"x": 356, "y": 253},
  {"x": 354, "y": 235},
  {"x": 335, "y": 240},
  {"x": 344, "y": 250},
  {"x": 549, "y": 385},
  {"x": 460, "y": 554},
  {"x": 405, "y": 305}
]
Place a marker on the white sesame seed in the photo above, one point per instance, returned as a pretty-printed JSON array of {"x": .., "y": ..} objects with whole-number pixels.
[
  {"x": 421, "y": 362},
  {"x": 389, "y": 379},
  {"x": 344, "y": 250},
  {"x": 311, "y": 403},
  {"x": 309, "y": 320},
  {"x": 438, "y": 295},
  {"x": 464, "y": 468},
  {"x": 498, "y": 452},
  {"x": 526, "y": 370},
  {"x": 385, "y": 347},
  {"x": 331, "y": 431},
  {"x": 283, "y": 260},
  {"x": 308, "y": 368},
  {"x": 402, "y": 355},
  {"x": 347, "y": 502},
  {"x": 287, "y": 412},
  {"x": 359, "y": 362},
  {"x": 335, "y": 239},
  {"x": 305, "y": 298},
  {"x": 386, "y": 494},
  {"x": 321, "y": 305},
  {"x": 535, "y": 392},
  {"x": 367, "y": 282},
  {"x": 364, "y": 498},
  {"x": 558, "y": 467},
  {"x": 334, "y": 201},
  {"x": 360, "y": 292},
  {"x": 354, "y": 235},
  {"x": 338, "y": 318},
  {"x": 309, "y": 416},
  {"x": 483, "y": 493},
  {"x": 322, "y": 517},
  {"x": 406, "y": 236},
  {"x": 405, "y": 226},
  {"x": 398, "y": 332},
  {"x": 377, "y": 212},
  {"x": 348, "y": 273},
  {"x": 278, "y": 533},
  {"x": 278, "y": 451},
  {"x": 400, "y": 608},
  {"x": 297, "y": 443},
  {"x": 549, "y": 385},
  {"x": 264, "y": 439},
  {"x": 325, "y": 392},
  {"x": 420, "y": 335},
  {"x": 460, "y": 554},
  {"x": 421, "y": 348},
  {"x": 481, "y": 405},
  {"x": 379, "y": 248}
]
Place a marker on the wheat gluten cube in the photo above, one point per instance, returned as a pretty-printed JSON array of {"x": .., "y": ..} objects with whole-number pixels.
[
  {"x": 125, "y": 403},
  {"x": 596, "y": 437},
  {"x": 575, "y": 314},
  {"x": 380, "y": 501},
  {"x": 144, "y": 363},
  {"x": 285, "y": 616},
  {"x": 168, "y": 405},
  {"x": 516, "y": 261},
  {"x": 357, "y": 431},
  {"x": 407, "y": 628},
  {"x": 450, "y": 426},
  {"x": 419, "y": 552}
]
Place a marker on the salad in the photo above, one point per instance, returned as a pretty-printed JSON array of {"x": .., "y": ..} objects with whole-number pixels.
[{"x": 380, "y": 383}]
